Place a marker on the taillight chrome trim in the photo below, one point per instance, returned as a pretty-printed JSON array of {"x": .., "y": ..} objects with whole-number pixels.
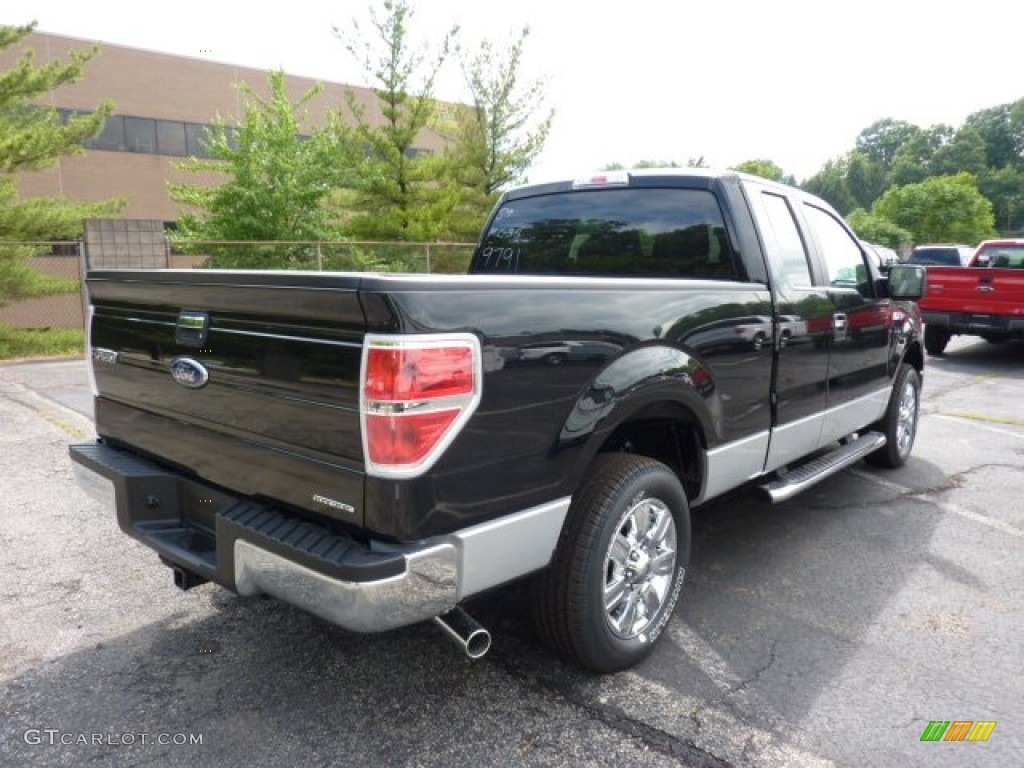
[
  {"x": 89, "y": 361},
  {"x": 465, "y": 404}
]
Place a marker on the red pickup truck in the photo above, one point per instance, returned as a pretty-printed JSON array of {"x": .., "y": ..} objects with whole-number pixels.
[{"x": 985, "y": 298}]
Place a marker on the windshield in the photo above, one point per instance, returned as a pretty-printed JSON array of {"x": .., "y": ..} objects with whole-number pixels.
[{"x": 622, "y": 232}]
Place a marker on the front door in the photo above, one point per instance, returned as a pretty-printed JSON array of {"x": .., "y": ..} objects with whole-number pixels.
[{"x": 858, "y": 365}]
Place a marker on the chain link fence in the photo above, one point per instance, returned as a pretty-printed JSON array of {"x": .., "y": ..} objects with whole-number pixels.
[
  {"x": 329, "y": 256},
  {"x": 49, "y": 320}
]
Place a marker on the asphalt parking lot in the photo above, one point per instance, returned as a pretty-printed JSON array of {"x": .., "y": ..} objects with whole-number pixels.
[{"x": 828, "y": 630}]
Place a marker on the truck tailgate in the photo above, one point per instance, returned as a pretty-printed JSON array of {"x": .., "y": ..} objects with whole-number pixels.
[
  {"x": 246, "y": 380},
  {"x": 975, "y": 290}
]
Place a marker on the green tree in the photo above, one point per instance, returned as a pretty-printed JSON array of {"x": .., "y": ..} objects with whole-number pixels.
[
  {"x": 33, "y": 137},
  {"x": 866, "y": 179},
  {"x": 278, "y": 182},
  {"x": 1002, "y": 130},
  {"x": 964, "y": 153},
  {"x": 766, "y": 169},
  {"x": 831, "y": 185},
  {"x": 878, "y": 229},
  {"x": 881, "y": 140},
  {"x": 1004, "y": 187},
  {"x": 501, "y": 132},
  {"x": 644, "y": 164},
  {"x": 940, "y": 209},
  {"x": 913, "y": 161},
  {"x": 401, "y": 193}
]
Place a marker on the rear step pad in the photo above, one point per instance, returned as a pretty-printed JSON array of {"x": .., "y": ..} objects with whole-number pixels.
[{"x": 813, "y": 472}]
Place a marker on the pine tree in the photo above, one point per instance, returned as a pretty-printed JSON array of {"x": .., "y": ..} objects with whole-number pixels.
[{"x": 34, "y": 137}]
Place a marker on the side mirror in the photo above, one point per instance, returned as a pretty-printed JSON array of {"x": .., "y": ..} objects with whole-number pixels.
[
  {"x": 982, "y": 260},
  {"x": 906, "y": 282}
]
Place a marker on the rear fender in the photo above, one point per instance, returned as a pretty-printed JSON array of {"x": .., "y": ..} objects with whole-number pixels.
[{"x": 631, "y": 386}]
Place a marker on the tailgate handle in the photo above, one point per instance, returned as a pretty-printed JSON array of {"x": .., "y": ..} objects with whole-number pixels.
[{"x": 192, "y": 328}]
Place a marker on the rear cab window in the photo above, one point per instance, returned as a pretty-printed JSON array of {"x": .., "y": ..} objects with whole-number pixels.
[
  {"x": 940, "y": 256},
  {"x": 1006, "y": 256},
  {"x": 622, "y": 232}
]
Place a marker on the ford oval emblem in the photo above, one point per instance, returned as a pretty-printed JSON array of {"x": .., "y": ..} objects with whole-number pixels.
[{"x": 189, "y": 373}]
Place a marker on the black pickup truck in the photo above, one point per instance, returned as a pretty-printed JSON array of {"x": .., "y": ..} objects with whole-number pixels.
[{"x": 378, "y": 448}]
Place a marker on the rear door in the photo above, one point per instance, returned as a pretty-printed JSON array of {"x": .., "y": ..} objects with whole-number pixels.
[{"x": 804, "y": 327}]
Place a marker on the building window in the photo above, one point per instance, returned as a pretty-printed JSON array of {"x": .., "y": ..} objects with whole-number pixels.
[
  {"x": 170, "y": 138},
  {"x": 195, "y": 140},
  {"x": 140, "y": 134},
  {"x": 111, "y": 137}
]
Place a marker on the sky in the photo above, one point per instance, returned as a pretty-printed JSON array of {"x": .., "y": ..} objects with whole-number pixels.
[{"x": 791, "y": 81}]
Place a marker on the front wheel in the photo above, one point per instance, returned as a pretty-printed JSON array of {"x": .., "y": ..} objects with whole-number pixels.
[
  {"x": 619, "y": 565},
  {"x": 899, "y": 425}
]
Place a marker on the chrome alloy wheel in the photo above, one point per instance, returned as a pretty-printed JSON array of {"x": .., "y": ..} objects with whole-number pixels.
[
  {"x": 906, "y": 424},
  {"x": 638, "y": 567}
]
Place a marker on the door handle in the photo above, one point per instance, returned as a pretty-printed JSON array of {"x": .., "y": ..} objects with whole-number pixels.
[{"x": 985, "y": 288}]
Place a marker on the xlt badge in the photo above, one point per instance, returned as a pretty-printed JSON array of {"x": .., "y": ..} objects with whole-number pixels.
[
  {"x": 189, "y": 373},
  {"x": 333, "y": 503}
]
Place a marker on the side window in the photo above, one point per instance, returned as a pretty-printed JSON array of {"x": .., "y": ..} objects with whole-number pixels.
[
  {"x": 782, "y": 241},
  {"x": 843, "y": 257}
]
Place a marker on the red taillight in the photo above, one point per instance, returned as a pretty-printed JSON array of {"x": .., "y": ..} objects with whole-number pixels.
[
  {"x": 406, "y": 439},
  {"x": 417, "y": 393},
  {"x": 400, "y": 373}
]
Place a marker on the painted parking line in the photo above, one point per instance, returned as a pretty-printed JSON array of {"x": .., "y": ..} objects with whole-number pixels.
[
  {"x": 980, "y": 423},
  {"x": 998, "y": 525},
  {"x": 951, "y": 509},
  {"x": 719, "y": 731},
  {"x": 705, "y": 657}
]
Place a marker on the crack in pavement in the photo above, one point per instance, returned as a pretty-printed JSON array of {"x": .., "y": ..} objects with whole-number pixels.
[
  {"x": 753, "y": 678},
  {"x": 652, "y": 737}
]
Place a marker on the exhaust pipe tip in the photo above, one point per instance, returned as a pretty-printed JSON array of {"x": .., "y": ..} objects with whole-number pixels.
[{"x": 465, "y": 631}]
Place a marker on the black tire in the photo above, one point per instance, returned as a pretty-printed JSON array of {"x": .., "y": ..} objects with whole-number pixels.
[
  {"x": 899, "y": 425},
  {"x": 935, "y": 340},
  {"x": 759, "y": 342},
  {"x": 595, "y": 557}
]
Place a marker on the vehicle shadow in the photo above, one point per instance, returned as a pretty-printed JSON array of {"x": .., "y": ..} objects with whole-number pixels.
[
  {"x": 779, "y": 606},
  {"x": 976, "y": 356},
  {"x": 262, "y": 683},
  {"x": 777, "y": 603}
]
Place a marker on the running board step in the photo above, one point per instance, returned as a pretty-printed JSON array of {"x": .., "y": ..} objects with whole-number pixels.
[{"x": 813, "y": 472}]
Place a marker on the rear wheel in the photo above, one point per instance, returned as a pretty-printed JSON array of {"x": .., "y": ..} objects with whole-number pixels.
[
  {"x": 617, "y": 570},
  {"x": 899, "y": 425},
  {"x": 935, "y": 340}
]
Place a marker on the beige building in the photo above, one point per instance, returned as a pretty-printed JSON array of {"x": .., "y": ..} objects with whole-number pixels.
[{"x": 162, "y": 106}]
